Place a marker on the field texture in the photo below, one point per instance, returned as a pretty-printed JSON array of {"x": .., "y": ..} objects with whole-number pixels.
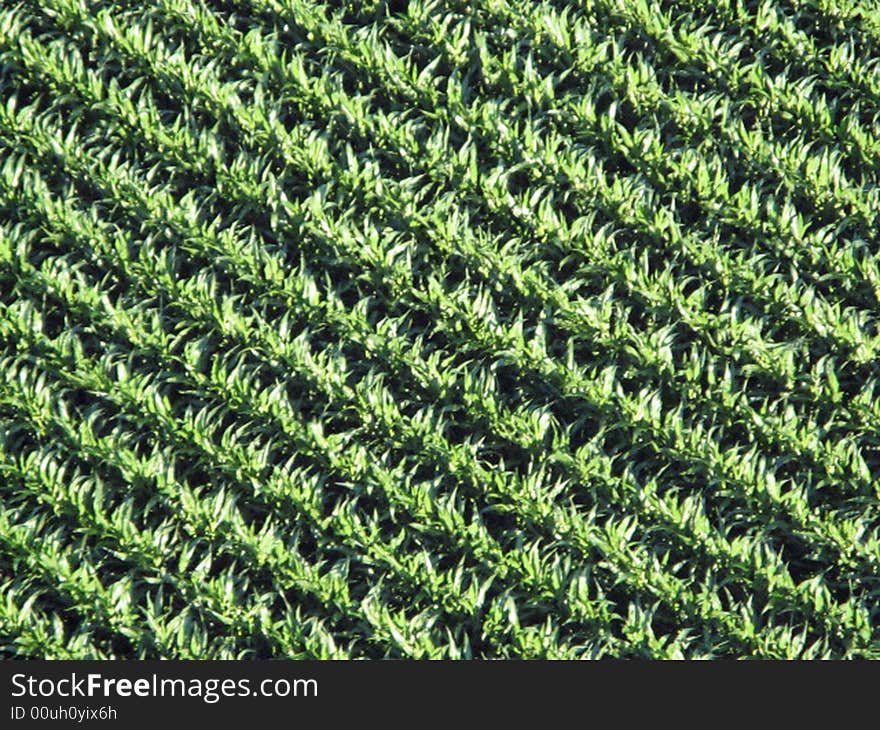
[{"x": 439, "y": 329}]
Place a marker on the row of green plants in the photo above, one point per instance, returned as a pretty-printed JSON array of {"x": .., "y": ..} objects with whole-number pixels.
[{"x": 496, "y": 329}]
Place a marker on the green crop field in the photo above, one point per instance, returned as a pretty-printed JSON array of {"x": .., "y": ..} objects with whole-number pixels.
[{"x": 439, "y": 329}]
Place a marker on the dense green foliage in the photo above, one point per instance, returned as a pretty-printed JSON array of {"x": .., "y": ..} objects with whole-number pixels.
[{"x": 439, "y": 329}]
